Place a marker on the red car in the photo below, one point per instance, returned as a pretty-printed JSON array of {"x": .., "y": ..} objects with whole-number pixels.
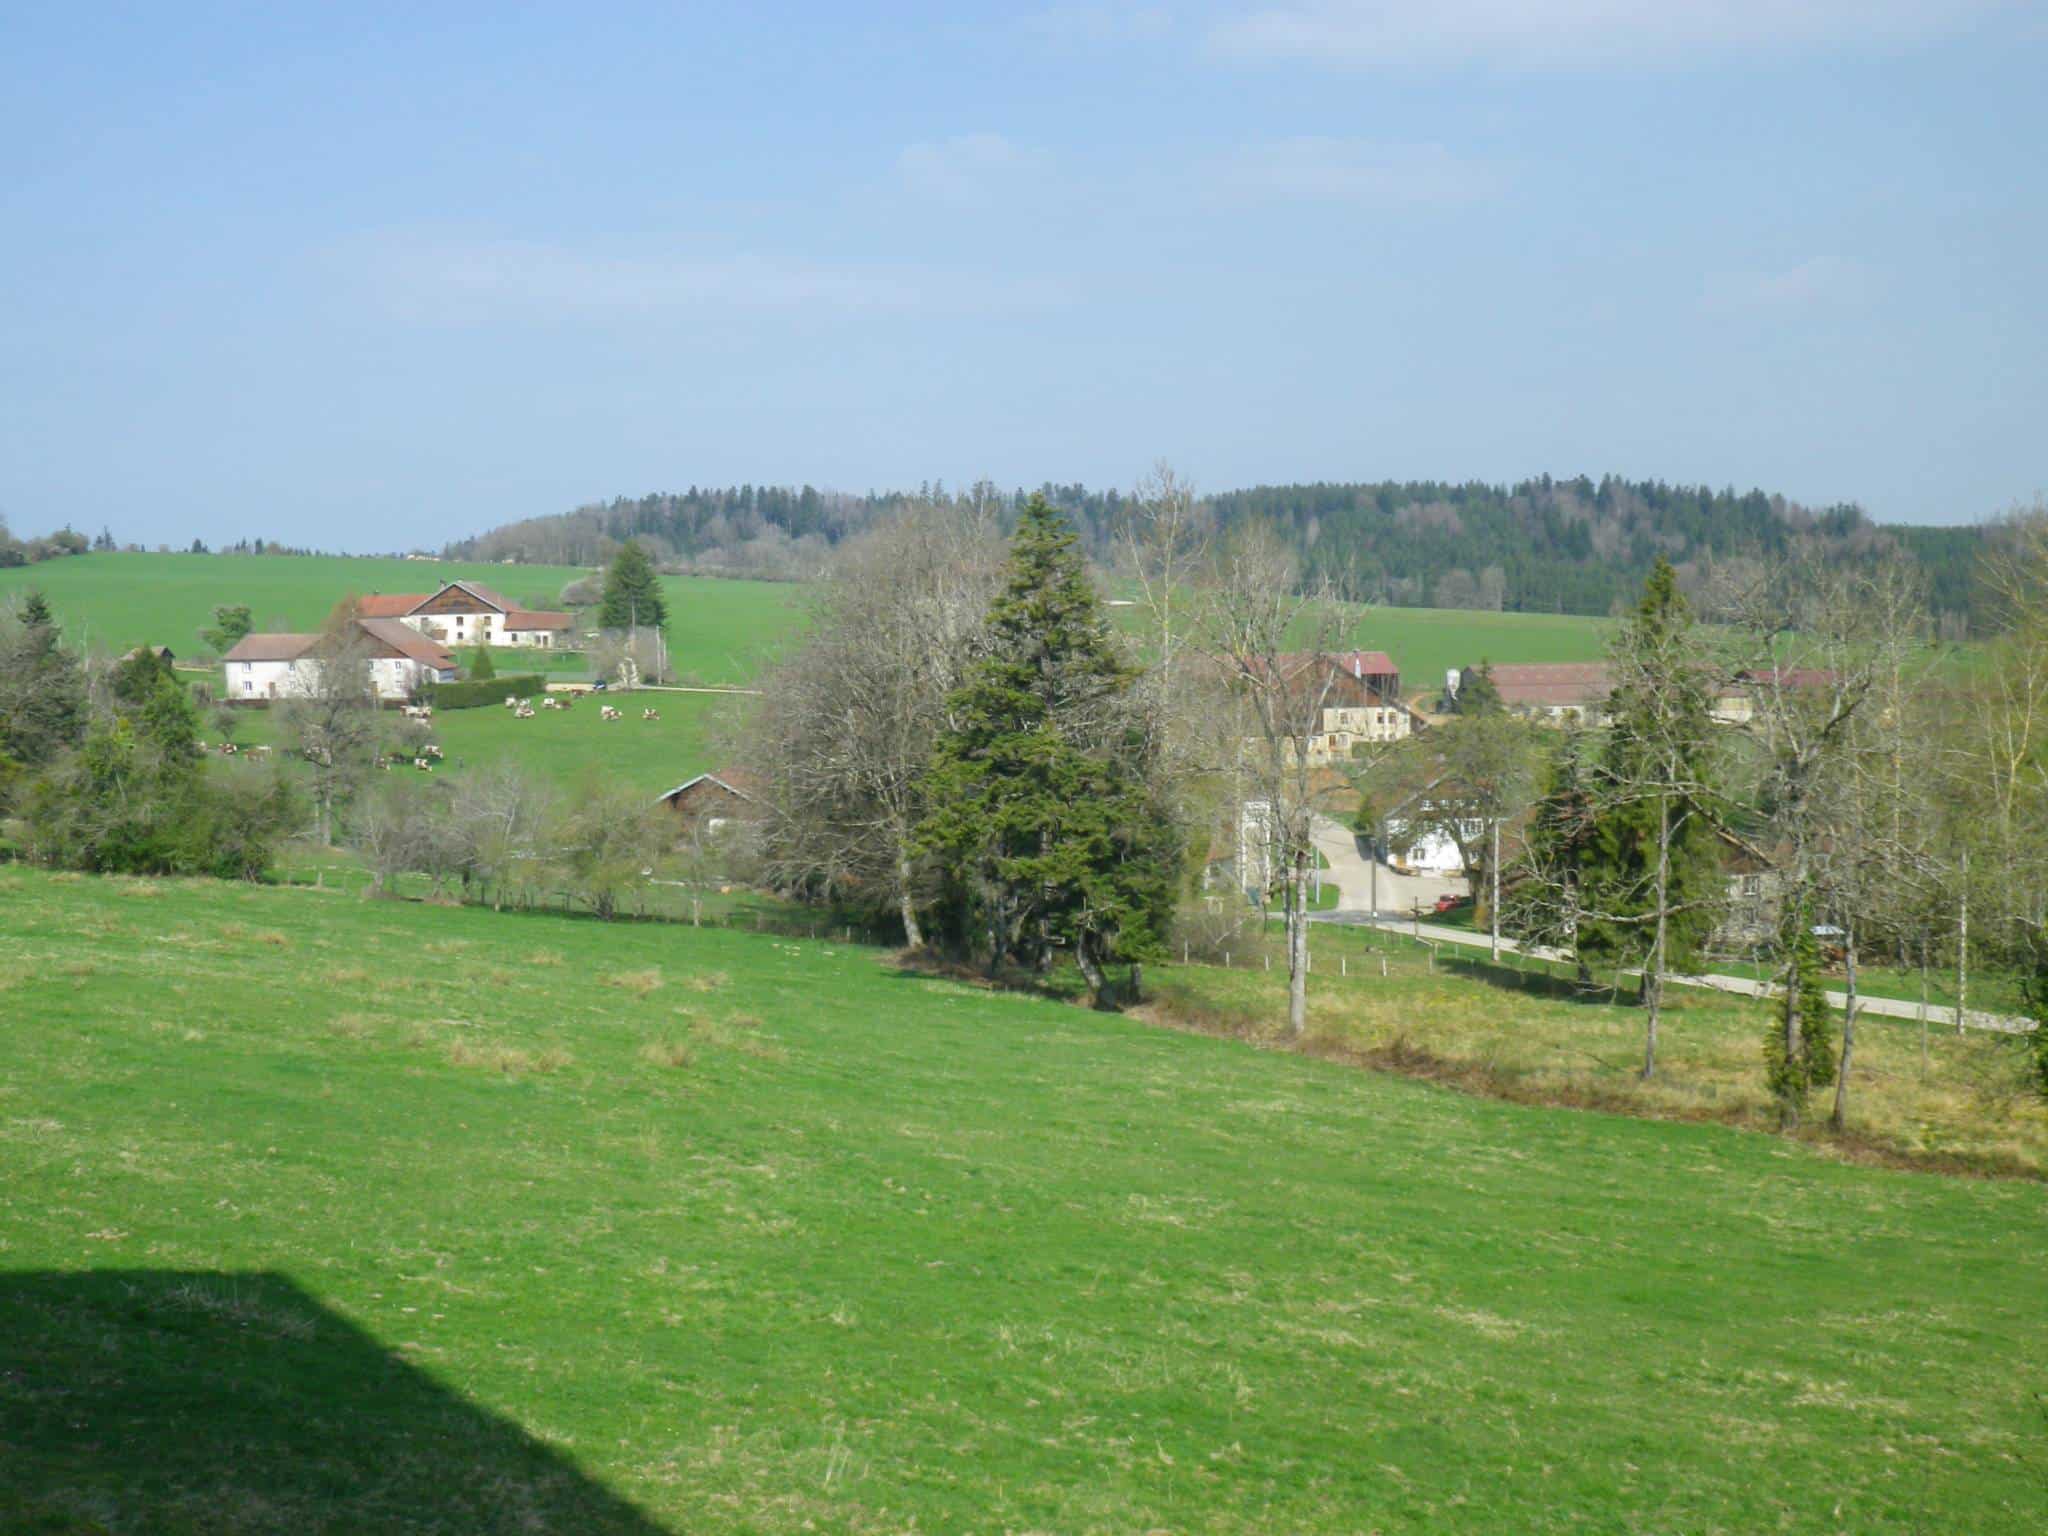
[{"x": 1447, "y": 903}]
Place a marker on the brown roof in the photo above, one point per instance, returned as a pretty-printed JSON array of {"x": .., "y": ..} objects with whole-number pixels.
[
  {"x": 271, "y": 647},
  {"x": 389, "y": 605},
  {"x": 1553, "y": 684},
  {"x": 535, "y": 618},
  {"x": 739, "y": 781},
  {"x": 1365, "y": 663},
  {"x": 477, "y": 589},
  {"x": 408, "y": 642}
]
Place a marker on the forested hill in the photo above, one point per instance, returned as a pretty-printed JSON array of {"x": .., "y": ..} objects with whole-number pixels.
[{"x": 1543, "y": 545}]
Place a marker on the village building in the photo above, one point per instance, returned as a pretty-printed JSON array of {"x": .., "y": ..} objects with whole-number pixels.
[
  {"x": 1428, "y": 833},
  {"x": 712, "y": 801},
  {"x": 1550, "y": 693},
  {"x": 1359, "y": 701},
  {"x": 470, "y": 613},
  {"x": 286, "y": 666}
]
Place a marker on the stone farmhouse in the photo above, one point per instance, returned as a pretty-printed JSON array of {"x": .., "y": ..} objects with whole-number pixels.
[
  {"x": 470, "y": 613},
  {"x": 280, "y": 666},
  {"x": 1576, "y": 692},
  {"x": 1360, "y": 700},
  {"x": 1550, "y": 693}
]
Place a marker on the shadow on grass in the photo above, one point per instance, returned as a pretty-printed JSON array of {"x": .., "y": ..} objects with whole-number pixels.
[
  {"x": 1534, "y": 983},
  {"x": 187, "y": 1402}
]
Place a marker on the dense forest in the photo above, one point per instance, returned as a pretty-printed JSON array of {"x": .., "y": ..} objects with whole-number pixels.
[{"x": 1542, "y": 545}]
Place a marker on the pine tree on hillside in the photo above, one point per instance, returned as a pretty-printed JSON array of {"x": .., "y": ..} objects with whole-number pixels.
[
  {"x": 1042, "y": 814},
  {"x": 1478, "y": 694},
  {"x": 1650, "y": 881},
  {"x": 632, "y": 592},
  {"x": 1791, "y": 1078}
]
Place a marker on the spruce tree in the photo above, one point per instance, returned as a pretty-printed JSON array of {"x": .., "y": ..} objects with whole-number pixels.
[
  {"x": 1042, "y": 816},
  {"x": 1650, "y": 881},
  {"x": 1478, "y": 694},
  {"x": 1805, "y": 1003},
  {"x": 481, "y": 667},
  {"x": 632, "y": 592}
]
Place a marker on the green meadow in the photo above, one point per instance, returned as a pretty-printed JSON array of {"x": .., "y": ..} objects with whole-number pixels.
[
  {"x": 720, "y": 632},
  {"x": 564, "y": 745},
  {"x": 325, "y": 1215}
]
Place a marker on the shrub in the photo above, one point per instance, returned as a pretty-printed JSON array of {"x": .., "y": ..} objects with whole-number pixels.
[{"x": 479, "y": 693}]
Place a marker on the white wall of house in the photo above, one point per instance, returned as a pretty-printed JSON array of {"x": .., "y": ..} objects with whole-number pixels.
[
  {"x": 394, "y": 677},
  {"x": 475, "y": 629},
  {"x": 270, "y": 679},
  {"x": 1429, "y": 850}
]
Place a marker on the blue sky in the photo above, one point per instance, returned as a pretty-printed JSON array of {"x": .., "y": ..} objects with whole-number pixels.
[{"x": 377, "y": 276}]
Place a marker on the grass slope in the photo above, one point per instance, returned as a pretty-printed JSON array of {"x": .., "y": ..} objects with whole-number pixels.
[
  {"x": 720, "y": 631},
  {"x": 564, "y": 745},
  {"x": 323, "y": 1215},
  {"x": 1426, "y": 642}
]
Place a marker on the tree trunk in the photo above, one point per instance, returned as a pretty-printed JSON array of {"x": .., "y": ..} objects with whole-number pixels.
[
  {"x": 1297, "y": 947},
  {"x": 1099, "y": 989},
  {"x": 913, "y": 934},
  {"x": 1923, "y": 1007},
  {"x": 1653, "y": 974},
  {"x": 1493, "y": 902},
  {"x": 1136, "y": 992},
  {"x": 1963, "y": 949},
  {"x": 1840, "y": 1117}
]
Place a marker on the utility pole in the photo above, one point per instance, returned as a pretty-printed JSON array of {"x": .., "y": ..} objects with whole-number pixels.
[{"x": 1493, "y": 907}]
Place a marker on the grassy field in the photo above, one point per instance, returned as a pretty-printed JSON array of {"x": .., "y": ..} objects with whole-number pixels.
[
  {"x": 1425, "y": 642},
  {"x": 324, "y": 1215},
  {"x": 563, "y": 745},
  {"x": 719, "y": 632},
  {"x": 1522, "y": 1031}
]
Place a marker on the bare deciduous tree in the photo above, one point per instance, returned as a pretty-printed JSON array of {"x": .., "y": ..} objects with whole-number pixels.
[
  {"x": 335, "y": 723},
  {"x": 844, "y": 735},
  {"x": 1274, "y": 643}
]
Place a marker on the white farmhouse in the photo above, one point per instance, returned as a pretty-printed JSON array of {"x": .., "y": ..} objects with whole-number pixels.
[
  {"x": 469, "y": 613},
  {"x": 288, "y": 666}
]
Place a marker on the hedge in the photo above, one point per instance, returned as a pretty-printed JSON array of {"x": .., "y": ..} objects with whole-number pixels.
[{"x": 489, "y": 690}]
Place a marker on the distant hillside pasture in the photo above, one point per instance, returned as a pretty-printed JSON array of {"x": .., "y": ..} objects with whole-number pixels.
[
  {"x": 1426, "y": 642},
  {"x": 566, "y": 746},
  {"x": 325, "y": 1214},
  {"x": 719, "y": 632}
]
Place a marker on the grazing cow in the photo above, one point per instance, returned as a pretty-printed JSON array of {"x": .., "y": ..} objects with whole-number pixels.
[
  {"x": 510, "y": 702},
  {"x": 606, "y": 712},
  {"x": 650, "y": 714},
  {"x": 524, "y": 712},
  {"x": 431, "y": 750}
]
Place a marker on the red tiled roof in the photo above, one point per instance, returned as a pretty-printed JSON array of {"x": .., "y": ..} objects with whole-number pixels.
[
  {"x": 1553, "y": 684},
  {"x": 1365, "y": 663},
  {"x": 408, "y": 642},
  {"x": 271, "y": 647},
  {"x": 389, "y": 605},
  {"x": 477, "y": 589},
  {"x": 535, "y": 618}
]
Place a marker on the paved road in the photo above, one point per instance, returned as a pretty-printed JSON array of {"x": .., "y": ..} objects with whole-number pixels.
[
  {"x": 1352, "y": 873},
  {"x": 1883, "y": 1007}
]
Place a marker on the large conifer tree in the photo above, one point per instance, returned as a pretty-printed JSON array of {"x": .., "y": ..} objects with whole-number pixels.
[
  {"x": 1043, "y": 816},
  {"x": 1650, "y": 881},
  {"x": 633, "y": 597}
]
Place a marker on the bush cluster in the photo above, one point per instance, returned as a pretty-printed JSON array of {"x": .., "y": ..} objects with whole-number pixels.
[{"x": 480, "y": 692}]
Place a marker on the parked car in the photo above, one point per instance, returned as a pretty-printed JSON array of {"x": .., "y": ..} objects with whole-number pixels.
[{"x": 1448, "y": 903}]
